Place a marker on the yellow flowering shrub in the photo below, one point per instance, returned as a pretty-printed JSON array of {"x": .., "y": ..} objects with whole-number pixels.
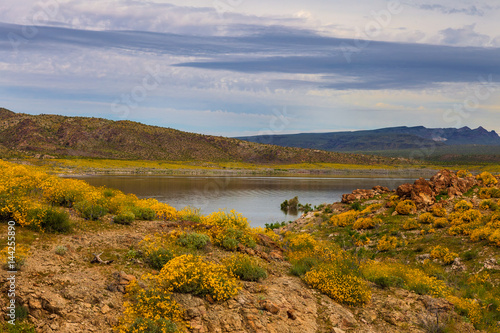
[
  {"x": 223, "y": 219},
  {"x": 462, "y": 206},
  {"x": 162, "y": 210},
  {"x": 387, "y": 243},
  {"x": 370, "y": 209},
  {"x": 300, "y": 242},
  {"x": 426, "y": 218},
  {"x": 342, "y": 287},
  {"x": 467, "y": 307},
  {"x": 411, "y": 224},
  {"x": 481, "y": 234},
  {"x": 397, "y": 274},
  {"x": 151, "y": 310},
  {"x": 344, "y": 219},
  {"x": 463, "y": 173},
  {"x": 487, "y": 178},
  {"x": 487, "y": 204},
  {"x": 438, "y": 211},
  {"x": 484, "y": 193},
  {"x": 406, "y": 207},
  {"x": 366, "y": 223},
  {"x": 479, "y": 278},
  {"x": 192, "y": 274},
  {"x": 443, "y": 253},
  {"x": 495, "y": 237},
  {"x": 441, "y": 222}
]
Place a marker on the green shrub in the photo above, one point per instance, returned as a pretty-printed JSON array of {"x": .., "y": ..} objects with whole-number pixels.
[
  {"x": 148, "y": 325},
  {"x": 158, "y": 258},
  {"x": 61, "y": 250},
  {"x": 124, "y": 218},
  {"x": 193, "y": 240},
  {"x": 146, "y": 214},
  {"x": 49, "y": 219},
  {"x": 90, "y": 211},
  {"x": 303, "y": 265},
  {"x": 245, "y": 267}
]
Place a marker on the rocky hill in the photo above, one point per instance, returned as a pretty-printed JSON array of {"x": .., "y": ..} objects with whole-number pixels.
[
  {"x": 53, "y": 135},
  {"x": 462, "y": 145}
]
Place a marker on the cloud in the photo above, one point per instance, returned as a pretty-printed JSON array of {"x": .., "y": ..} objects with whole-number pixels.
[
  {"x": 464, "y": 36},
  {"x": 470, "y": 10}
]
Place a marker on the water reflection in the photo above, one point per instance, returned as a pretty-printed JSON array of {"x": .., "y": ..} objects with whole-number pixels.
[{"x": 257, "y": 198}]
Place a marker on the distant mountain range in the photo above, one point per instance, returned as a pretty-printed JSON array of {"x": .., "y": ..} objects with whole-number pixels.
[
  {"x": 61, "y": 136},
  {"x": 393, "y": 138}
]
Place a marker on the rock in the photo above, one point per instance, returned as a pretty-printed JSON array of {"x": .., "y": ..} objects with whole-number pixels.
[
  {"x": 458, "y": 265},
  {"x": 338, "y": 330},
  {"x": 291, "y": 314},
  {"x": 270, "y": 307},
  {"x": 35, "y": 304},
  {"x": 276, "y": 255},
  {"x": 53, "y": 302},
  {"x": 491, "y": 264},
  {"x": 105, "y": 309}
]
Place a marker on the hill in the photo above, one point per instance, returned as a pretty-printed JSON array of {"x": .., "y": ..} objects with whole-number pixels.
[
  {"x": 101, "y": 138},
  {"x": 416, "y": 142}
]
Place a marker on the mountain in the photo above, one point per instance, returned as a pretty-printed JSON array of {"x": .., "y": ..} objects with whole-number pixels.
[
  {"x": 101, "y": 138},
  {"x": 383, "y": 139}
]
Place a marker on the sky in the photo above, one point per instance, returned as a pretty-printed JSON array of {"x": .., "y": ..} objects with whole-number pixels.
[{"x": 241, "y": 67}]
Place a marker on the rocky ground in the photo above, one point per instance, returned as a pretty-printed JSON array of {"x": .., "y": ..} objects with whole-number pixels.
[{"x": 69, "y": 294}]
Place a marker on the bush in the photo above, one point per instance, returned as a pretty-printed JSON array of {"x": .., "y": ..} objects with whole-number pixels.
[
  {"x": 229, "y": 239},
  {"x": 400, "y": 275},
  {"x": 494, "y": 192},
  {"x": 463, "y": 173},
  {"x": 245, "y": 267},
  {"x": 141, "y": 213},
  {"x": 488, "y": 204},
  {"x": 61, "y": 250},
  {"x": 344, "y": 219},
  {"x": 441, "y": 222},
  {"x": 49, "y": 219},
  {"x": 366, "y": 223},
  {"x": 406, "y": 207},
  {"x": 193, "y": 240},
  {"x": 438, "y": 211},
  {"x": 158, "y": 258},
  {"x": 443, "y": 253},
  {"x": 124, "y": 218},
  {"x": 150, "y": 310},
  {"x": 411, "y": 224},
  {"x": 387, "y": 243},
  {"x": 303, "y": 265},
  {"x": 301, "y": 242},
  {"x": 484, "y": 193},
  {"x": 192, "y": 274},
  {"x": 462, "y": 206},
  {"x": 426, "y": 218},
  {"x": 487, "y": 178},
  {"x": 342, "y": 287},
  {"x": 91, "y": 211}
]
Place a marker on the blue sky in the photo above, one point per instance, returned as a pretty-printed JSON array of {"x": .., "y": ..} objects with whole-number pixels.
[{"x": 241, "y": 67}]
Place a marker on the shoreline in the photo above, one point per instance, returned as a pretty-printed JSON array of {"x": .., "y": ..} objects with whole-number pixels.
[{"x": 344, "y": 173}]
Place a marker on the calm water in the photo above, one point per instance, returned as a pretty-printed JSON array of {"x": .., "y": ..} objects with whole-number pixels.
[{"x": 257, "y": 198}]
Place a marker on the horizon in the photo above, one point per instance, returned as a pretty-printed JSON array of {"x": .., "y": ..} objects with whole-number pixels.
[
  {"x": 234, "y": 68},
  {"x": 283, "y": 133}
]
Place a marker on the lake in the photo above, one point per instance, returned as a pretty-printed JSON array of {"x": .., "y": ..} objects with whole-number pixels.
[{"x": 258, "y": 198}]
